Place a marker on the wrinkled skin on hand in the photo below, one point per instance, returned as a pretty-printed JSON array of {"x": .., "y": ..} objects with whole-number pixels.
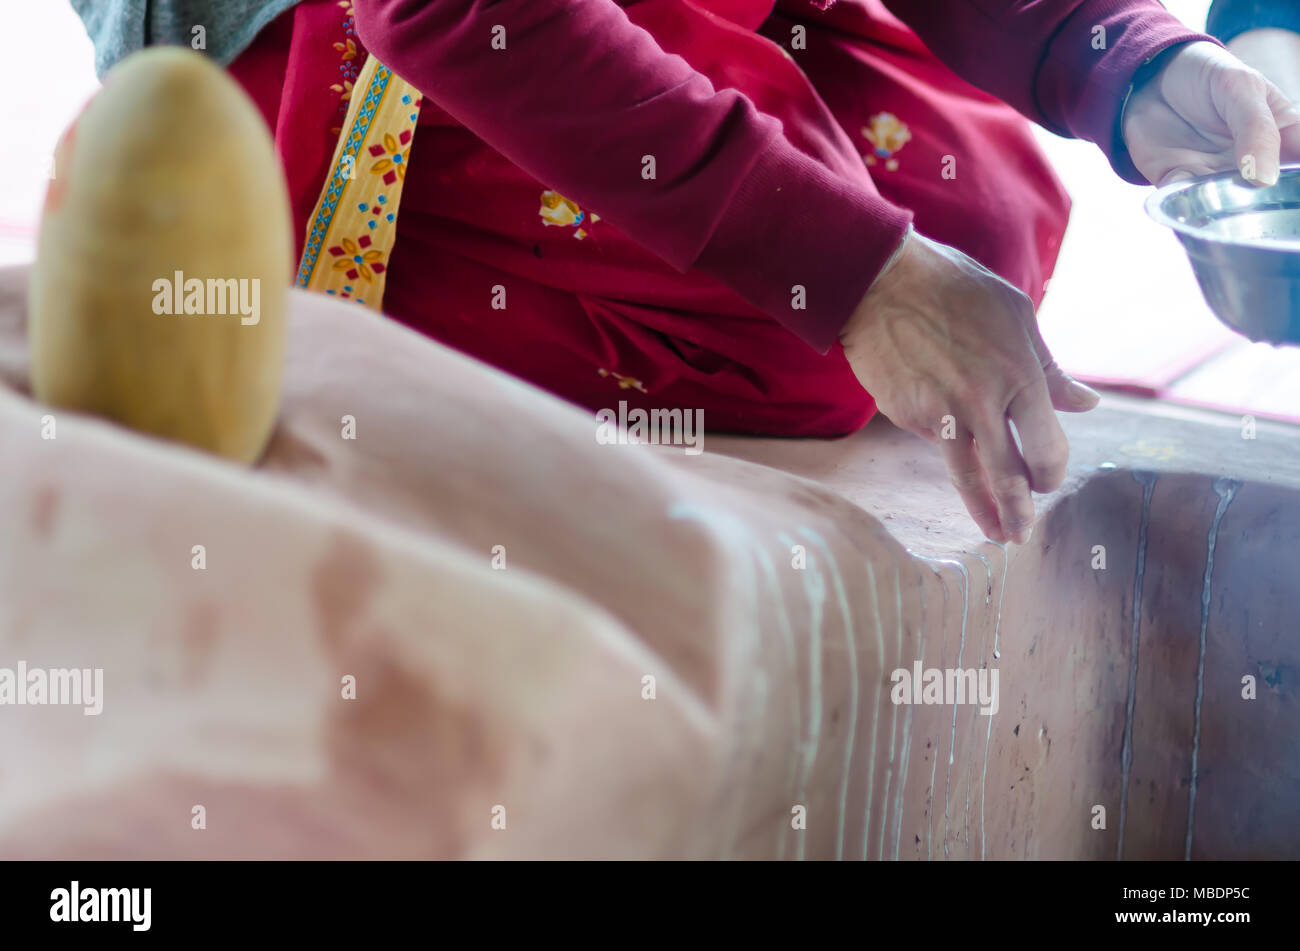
[
  {"x": 1206, "y": 111},
  {"x": 951, "y": 352}
]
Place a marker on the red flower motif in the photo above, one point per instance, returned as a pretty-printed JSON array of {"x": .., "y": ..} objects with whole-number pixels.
[
  {"x": 359, "y": 262},
  {"x": 394, "y": 151}
]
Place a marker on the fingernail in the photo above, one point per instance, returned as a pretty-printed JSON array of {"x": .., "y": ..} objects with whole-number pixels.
[
  {"x": 1287, "y": 117},
  {"x": 1018, "y": 531},
  {"x": 1082, "y": 395},
  {"x": 1261, "y": 173}
]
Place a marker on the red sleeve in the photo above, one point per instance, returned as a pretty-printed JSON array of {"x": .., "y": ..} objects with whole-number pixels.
[
  {"x": 580, "y": 95},
  {"x": 1066, "y": 64}
]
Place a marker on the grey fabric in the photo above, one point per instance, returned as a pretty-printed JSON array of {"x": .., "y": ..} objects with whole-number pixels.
[{"x": 120, "y": 27}]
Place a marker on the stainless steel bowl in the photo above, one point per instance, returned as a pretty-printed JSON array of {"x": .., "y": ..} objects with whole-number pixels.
[{"x": 1244, "y": 244}]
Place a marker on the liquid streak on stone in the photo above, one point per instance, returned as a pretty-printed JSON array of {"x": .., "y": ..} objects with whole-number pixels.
[
  {"x": 970, "y": 763},
  {"x": 1148, "y": 482},
  {"x": 893, "y": 722},
  {"x": 907, "y": 749},
  {"x": 988, "y": 574},
  {"x": 792, "y": 662},
  {"x": 815, "y": 590},
  {"x": 875, "y": 712},
  {"x": 1226, "y": 490},
  {"x": 934, "y": 759},
  {"x": 965, "y": 610},
  {"x": 997, "y": 626},
  {"x": 842, "y": 599}
]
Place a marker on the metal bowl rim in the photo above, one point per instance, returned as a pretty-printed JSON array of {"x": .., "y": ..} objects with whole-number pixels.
[{"x": 1155, "y": 202}]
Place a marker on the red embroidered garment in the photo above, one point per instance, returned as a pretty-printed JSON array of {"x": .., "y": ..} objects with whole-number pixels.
[{"x": 784, "y": 160}]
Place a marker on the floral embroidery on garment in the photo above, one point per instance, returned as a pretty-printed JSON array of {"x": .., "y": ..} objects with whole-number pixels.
[
  {"x": 887, "y": 135},
  {"x": 380, "y": 122},
  {"x": 624, "y": 382},
  {"x": 560, "y": 212},
  {"x": 358, "y": 258},
  {"x": 393, "y": 165},
  {"x": 349, "y": 70}
]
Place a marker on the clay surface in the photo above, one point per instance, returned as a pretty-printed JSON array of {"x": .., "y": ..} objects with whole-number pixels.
[{"x": 680, "y": 656}]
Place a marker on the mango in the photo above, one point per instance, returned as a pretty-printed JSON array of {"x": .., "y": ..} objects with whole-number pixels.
[{"x": 160, "y": 291}]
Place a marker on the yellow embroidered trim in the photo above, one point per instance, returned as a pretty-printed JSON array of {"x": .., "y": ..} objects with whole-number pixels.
[{"x": 354, "y": 225}]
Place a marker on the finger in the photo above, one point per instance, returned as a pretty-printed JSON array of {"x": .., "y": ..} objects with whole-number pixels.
[
  {"x": 1187, "y": 164},
  {"x": 1256, "y": 142},
  {"x": 1291, "y": 143},
  {"x": 1287, "y": 115},
  {"x": 1008, "y": 479},
  {"x": 1043, "y": 445},
  {"x": 1285, "y": 112},
  {"x": 1067, "y": 394},
  {"x": 968, "y": 479}
]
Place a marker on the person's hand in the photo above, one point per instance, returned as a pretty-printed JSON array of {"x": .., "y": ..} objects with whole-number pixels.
[
  {"x": 1206, "y": 111},
  {"x": 951, "y": 352}
]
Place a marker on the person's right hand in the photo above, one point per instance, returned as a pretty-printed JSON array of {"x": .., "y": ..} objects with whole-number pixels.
[{"x": 951, "y": 352}]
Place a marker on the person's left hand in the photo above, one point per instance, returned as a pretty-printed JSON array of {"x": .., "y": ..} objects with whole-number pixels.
[{"x": 1207, "y": 111}]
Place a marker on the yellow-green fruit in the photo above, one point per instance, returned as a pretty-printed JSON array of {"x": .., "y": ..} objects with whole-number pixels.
[{"x": 167, "y": 192}]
